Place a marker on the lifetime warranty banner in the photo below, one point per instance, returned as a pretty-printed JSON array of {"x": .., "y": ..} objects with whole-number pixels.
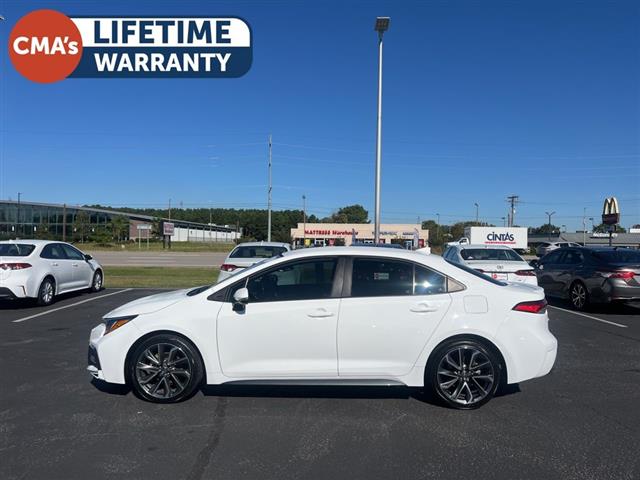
[{"x": 48, "y": 46}]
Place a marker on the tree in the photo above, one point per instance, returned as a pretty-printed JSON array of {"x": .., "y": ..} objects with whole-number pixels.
[
  {"x": 602, "y": 228},
  {"x": 80, "y": 224},
  {"x": 120, "y": 226},
  {"x": 545, "y": 229},
  {"x": 351, "y": 214}
]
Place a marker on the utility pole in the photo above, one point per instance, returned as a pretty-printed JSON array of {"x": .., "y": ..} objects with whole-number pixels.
[
  {"x": 169, "y": 213},
  {"x": 477, "y": 210},
  {"x": 269, "y": 196},
  {"x": 64, "y": 222},
  {"x": 382, "y": 24},
  {"x": 549, "y": 224},
  {"x": 438, "y": 227},
  {"x": 304, "y": 220},
  {"x": 18, "y": 216},
  {"x": 504, "y": 221},
  {"x": 584, "y": 227},
  {"x": 513, "y": 200}
]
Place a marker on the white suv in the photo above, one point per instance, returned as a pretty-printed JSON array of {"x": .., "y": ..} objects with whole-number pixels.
[{"x": 42, "y": 269}]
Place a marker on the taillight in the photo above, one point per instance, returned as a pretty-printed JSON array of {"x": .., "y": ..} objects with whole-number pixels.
[
  {"x": 624, "y": 274},
  {"x": 14, "y": 266},
  {"x": 227, "y": 267},
  {"x": 526, "y": 273},
  {"x": 538, "y": 306}
]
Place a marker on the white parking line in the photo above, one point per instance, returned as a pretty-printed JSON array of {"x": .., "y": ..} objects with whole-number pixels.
[
  {"x": 69, "y": 306},
  {"x": 592, "y": 318}
]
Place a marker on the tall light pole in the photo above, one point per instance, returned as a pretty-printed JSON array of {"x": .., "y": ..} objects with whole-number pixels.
[
  {"x": 549, "y": 224},
  {"x": 477, "y": 209},
  {"x": 438, "y": 227},
  {"x": 504, "y": 221},
  {"x": 269, "y": 197},
  {"x": 381, "y": 26},
  {"x": 584, "y": 226},
  {"x": 18, "y": 215},
  {"x": 304, "y": 220}
]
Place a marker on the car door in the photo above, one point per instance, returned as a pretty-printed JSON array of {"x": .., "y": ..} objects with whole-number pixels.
[
  {"x": 288, "y": 327},
  {"x": 569, "y": 264},
  {"x": 82, "y": 270},
  {"x": 549, "y": 268},
  {"x": 390, "y": 308},
  {"x": 60, "y": 267}
]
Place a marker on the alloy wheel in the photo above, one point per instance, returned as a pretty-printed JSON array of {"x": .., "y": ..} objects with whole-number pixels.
[
  {"x": 578, "y": 296},
  {"x": 163, "y": 370},
  {"x": 47, "y": 292},
  {"x": 465, "y": 375},
  {"x": 97, "y": 282}
]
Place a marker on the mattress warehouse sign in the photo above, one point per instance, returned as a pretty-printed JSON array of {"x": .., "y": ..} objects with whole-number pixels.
[{"x": 47, "y": 46}]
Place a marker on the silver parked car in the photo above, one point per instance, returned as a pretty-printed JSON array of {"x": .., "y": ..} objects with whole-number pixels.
[
  {"x": 247, "y": 254},
  {"x": 547, "y": 247}
]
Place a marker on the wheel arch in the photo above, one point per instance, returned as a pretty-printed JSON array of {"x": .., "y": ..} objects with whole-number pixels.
[
  {"x": 53, "y": 278},
  {"x": 144, "y": 337},
  {"x": 479, "y": 338}
]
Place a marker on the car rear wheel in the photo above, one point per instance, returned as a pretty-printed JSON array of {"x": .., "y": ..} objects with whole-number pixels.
[
  {"x": 464, "y": 374},
  {"x": 165, "y": 369},
  {"x": 46, "y": 292},
  {"x": 578, "y": 296},
  {"x": 96, "y": 284}
]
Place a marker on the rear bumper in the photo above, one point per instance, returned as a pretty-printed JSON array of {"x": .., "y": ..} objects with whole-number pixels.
[
  {"x": 7, "y": 294},
  {"x": 12, "y": 292}
]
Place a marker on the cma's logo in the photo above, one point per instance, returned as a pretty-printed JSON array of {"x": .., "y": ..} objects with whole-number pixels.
[{"x": 500, "y": 237}]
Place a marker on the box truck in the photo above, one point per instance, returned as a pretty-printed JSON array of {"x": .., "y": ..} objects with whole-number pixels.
[{"x": 514, "y": 237}]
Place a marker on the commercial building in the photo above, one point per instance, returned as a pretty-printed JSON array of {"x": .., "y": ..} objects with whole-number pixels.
[
  {"x": 335, "y": 234},
  {"x": 590, "y": 239},
  {"x": 79, "y": 223}
]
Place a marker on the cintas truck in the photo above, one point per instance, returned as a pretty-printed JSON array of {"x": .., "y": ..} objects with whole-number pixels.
[{"x": 514, "y": 237}]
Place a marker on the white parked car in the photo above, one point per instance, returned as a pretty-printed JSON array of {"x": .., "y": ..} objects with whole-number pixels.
[
  {"x": 42, "y": 269},
  {"x": 247, "y": 254},
  {"x": 335, "y": 315},
  {"x": 498, "y": 261}
]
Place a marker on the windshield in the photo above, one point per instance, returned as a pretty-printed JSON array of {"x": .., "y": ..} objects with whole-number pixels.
[
  {"x": 618, "y": 256},
  {"x": 475, "y": 273},
  {"x": 16, "y": 249},
  {"x": 501, "y": 254},
  {"x": 257, "y": 251}
]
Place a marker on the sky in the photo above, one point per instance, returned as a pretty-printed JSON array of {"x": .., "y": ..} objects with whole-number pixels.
[{"x": 481, "y": 100}]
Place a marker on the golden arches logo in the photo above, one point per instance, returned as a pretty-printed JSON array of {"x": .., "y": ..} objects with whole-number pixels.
[{"x": 610, "y": 211}]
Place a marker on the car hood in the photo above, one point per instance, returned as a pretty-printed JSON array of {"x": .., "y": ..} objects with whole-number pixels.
[{"x": 149, "y": 304}]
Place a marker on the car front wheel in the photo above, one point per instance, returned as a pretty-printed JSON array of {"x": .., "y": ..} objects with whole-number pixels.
[
  {"x": 165, "y": 369},
  {"x": 96, "y": 284},
  {"x": 464, "y": 374},
  {"x": 579, "y": 296}
]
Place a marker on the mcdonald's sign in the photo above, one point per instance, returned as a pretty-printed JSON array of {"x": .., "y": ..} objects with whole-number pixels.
[{"x": 610, "y": 211}]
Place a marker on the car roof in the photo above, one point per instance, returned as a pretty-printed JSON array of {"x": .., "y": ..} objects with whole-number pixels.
[
  {"x": 359, "y": 252},
  {"x": 263, "y": 244},
  {"x": 30, "y": 241},
  {"x": 482, "y": 245}
]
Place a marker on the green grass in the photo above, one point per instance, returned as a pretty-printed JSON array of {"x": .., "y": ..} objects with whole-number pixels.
[
  {"x": 156, "y": 247},
  {"x": 159, "y": 277}
]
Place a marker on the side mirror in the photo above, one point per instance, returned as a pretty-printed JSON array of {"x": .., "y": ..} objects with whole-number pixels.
[
  {"x": 88, "y": 257},
  {"x": 240, "y": 299}
]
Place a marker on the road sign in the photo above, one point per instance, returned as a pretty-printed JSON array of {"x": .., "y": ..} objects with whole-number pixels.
[
  {"x": 168, "y": 228},
  {"x": 610, "y": 211},
  {"x": 143, "y": 226}
]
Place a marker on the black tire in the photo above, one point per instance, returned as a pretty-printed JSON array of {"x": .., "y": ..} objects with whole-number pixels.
[
  {"x": 97, "y": 281},
  {"x": 46, "y": 292},
  {"x": 578, "y": 296},
  {"x": 157, "y": 366},
  {"x": 466, "y": 386}
]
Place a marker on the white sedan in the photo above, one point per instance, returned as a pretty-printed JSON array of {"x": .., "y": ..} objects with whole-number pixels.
[
  {"x": 498, "y": 261},
  {"x": 42, "y": 269},
  {"x": 249, "y": 253},
  {"x": 335, "y": 315}
]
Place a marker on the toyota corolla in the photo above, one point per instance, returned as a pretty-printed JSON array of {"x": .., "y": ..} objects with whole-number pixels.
[{"x": 332, "y": 315}]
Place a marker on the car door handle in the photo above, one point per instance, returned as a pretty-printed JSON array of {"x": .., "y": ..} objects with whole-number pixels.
[
  {"x": 320, "y": 313},
  {"x": 423, "y": 308},
  {"x": 74, "y": 264},
  {"x": 54, "y": 264}
]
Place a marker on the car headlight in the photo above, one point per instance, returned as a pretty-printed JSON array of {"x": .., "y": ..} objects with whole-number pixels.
[{"x": 114, "y": 323}]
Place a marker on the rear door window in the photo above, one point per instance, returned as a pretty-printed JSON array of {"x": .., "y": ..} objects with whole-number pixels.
[{"x": 53, "y": 251}]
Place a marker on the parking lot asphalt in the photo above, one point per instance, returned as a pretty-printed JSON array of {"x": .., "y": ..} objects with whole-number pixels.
[{"x": 580, "y": 422}]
